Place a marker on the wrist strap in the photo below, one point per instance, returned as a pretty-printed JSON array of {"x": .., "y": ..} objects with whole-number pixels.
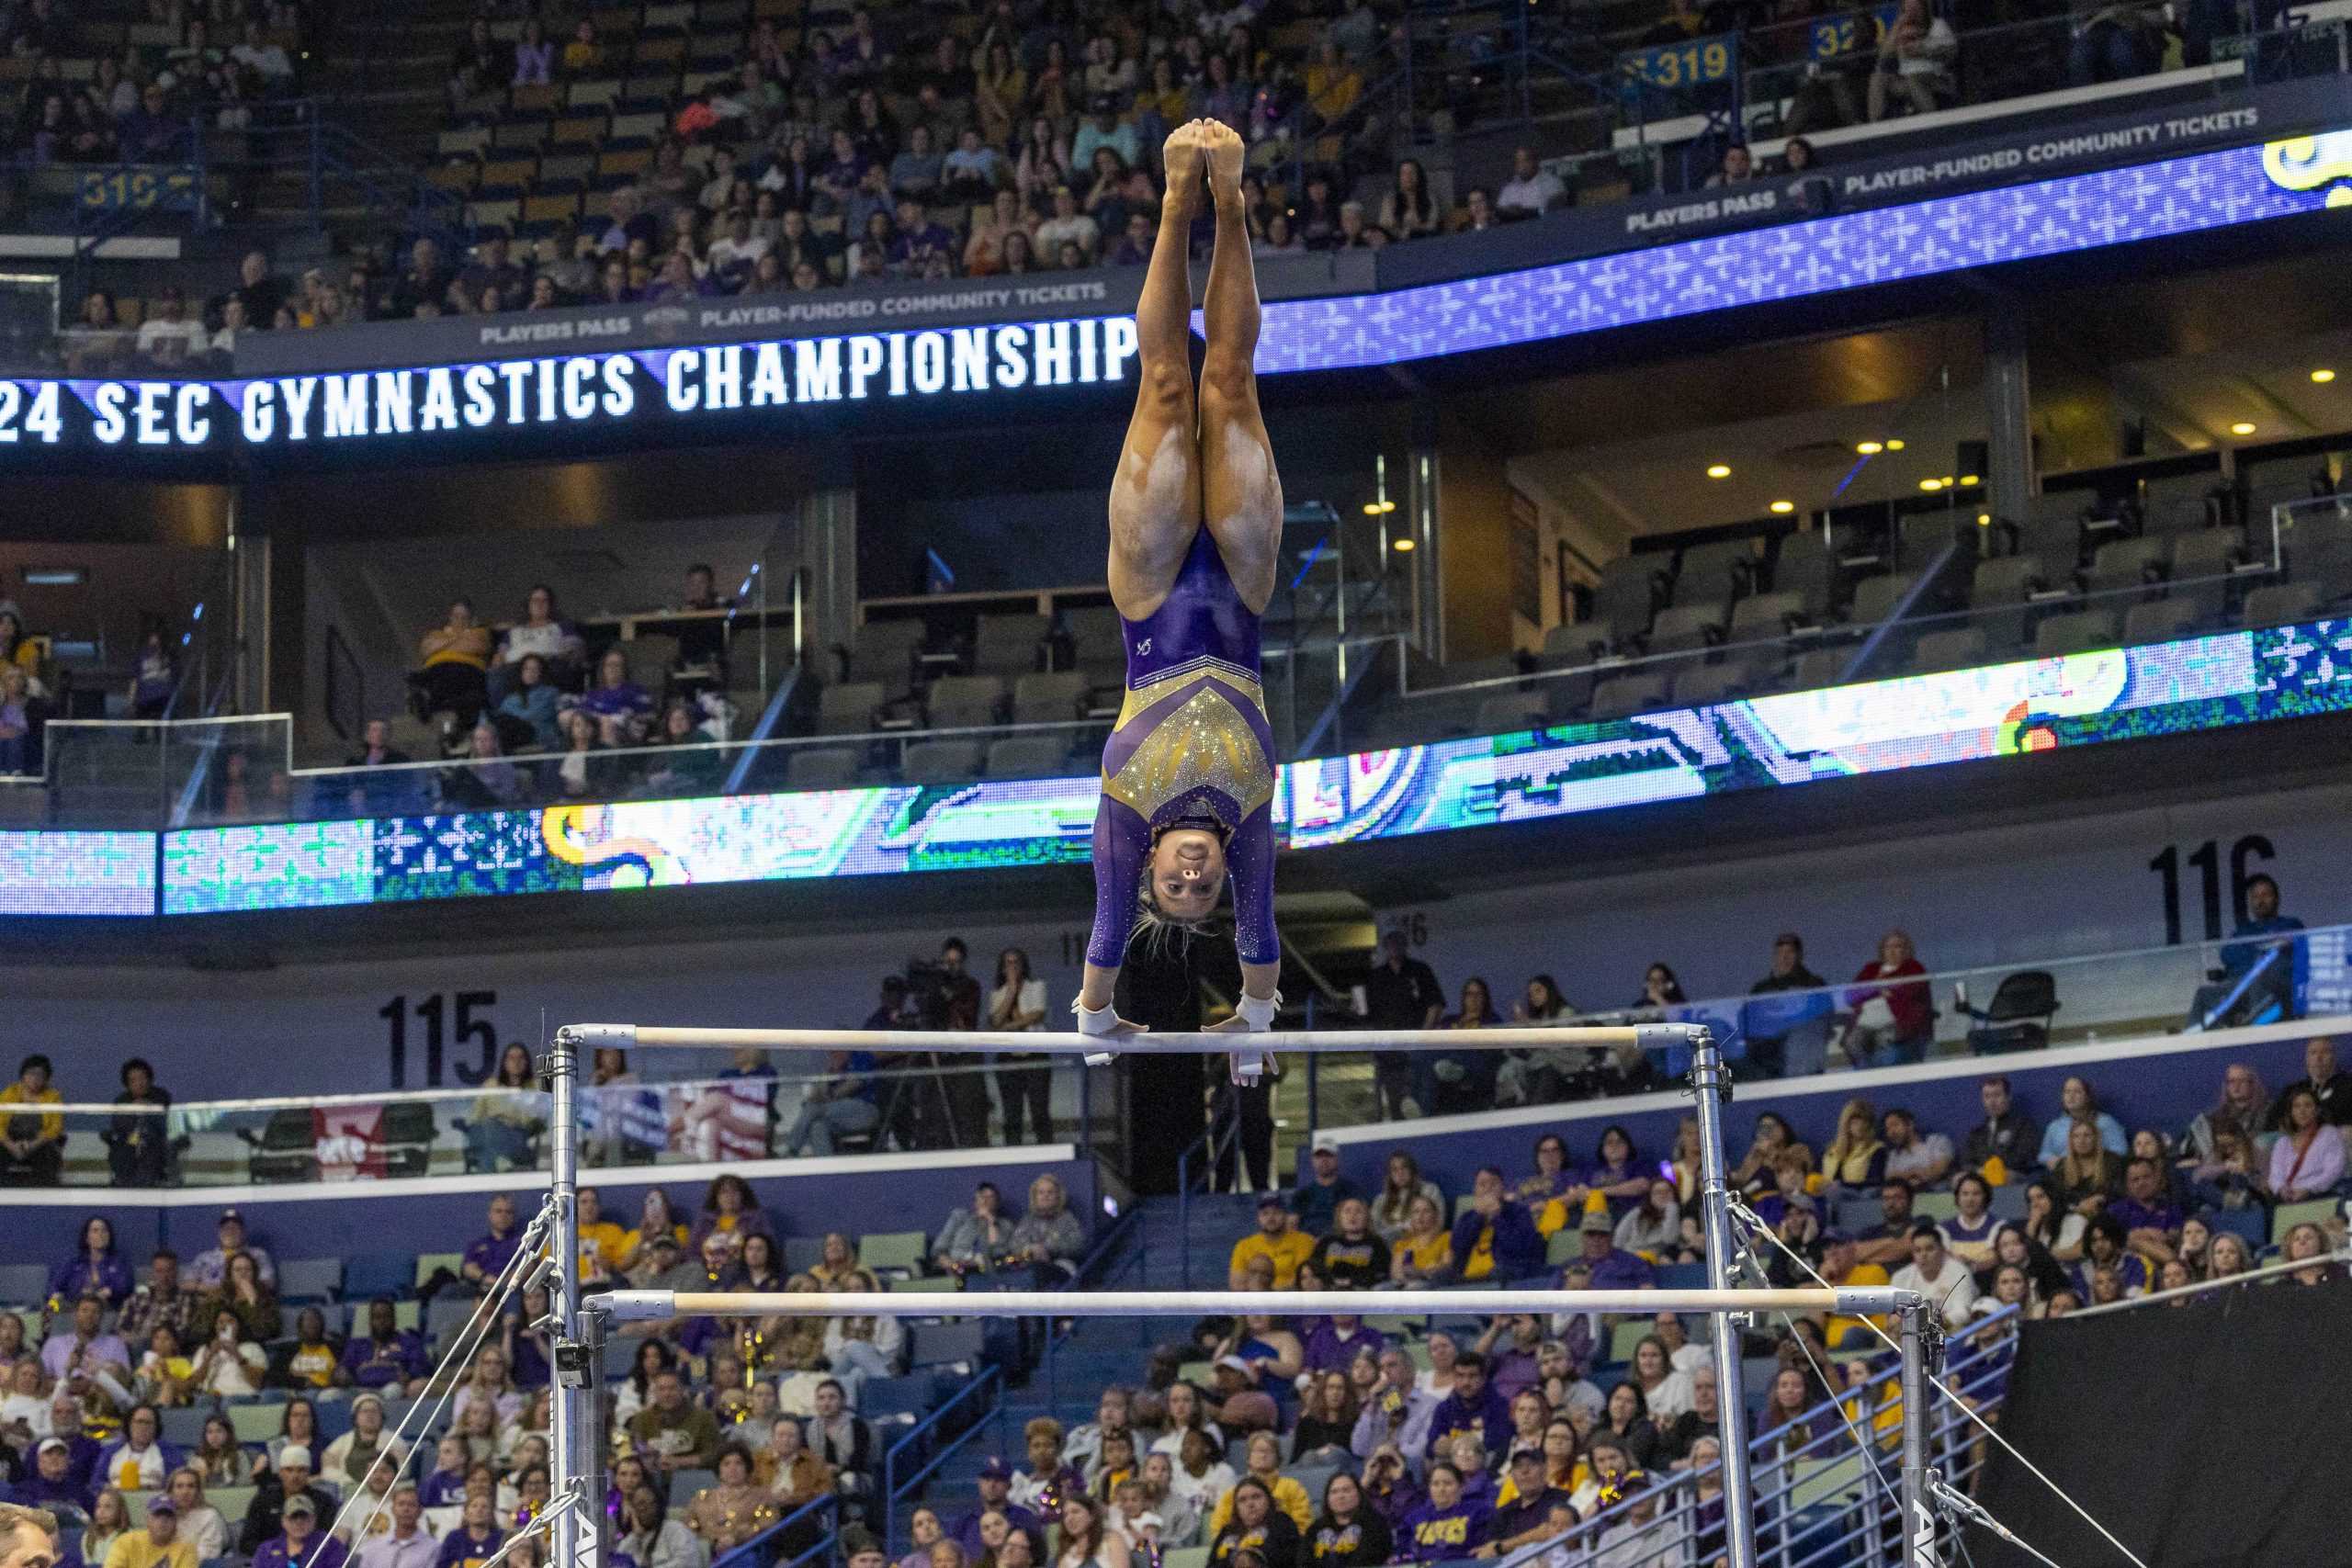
[
  {"x": 1258, "y": 1012},
  {"x": 1095, "y": 1021}
]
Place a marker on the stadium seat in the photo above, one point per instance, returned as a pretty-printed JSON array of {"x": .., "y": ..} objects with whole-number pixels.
[
  {"x": 943, "y": 1344},
  {"x": 802, "y": 1253},
  {"x": 1681, "y": 1276},
  {"x": 1709, "y": 576},
  {"x": 2287, "y": 1216},
  {"x": 685, "y": 1484},
  {"x": 2079, "y": 632},
  {"x": 884, "y": 652},
  {"x": 1685, "y": 628},
  {"x": 1710, "y": 683},
  {"x": 2160, "y": 620},
  {"x": 2128, "y": 563},
  {"x": 892, "y": 1249},
  {"x": 183, "y": 1425},
  {"x": 964, "y": 702},
  {"x": 933, "y": 1283},
  {"x": 306, "y": 1280},
  {"x": 430, "y": 1263},
  {"x": 2179, "y": 503},
  {"x": 879, "y": 1398},
  {"x": 940, "y": 762},
  {"x": 849, "y": 708},
  {"x": 1008, "y": 646},
  {"x": 2280, "y": 603},
  {"x": 1028, "y": 756},
  {"x": 368, "y": 1275},
  {"x": 1806, "y": 568},
  {"x": 1876, "y": 597},
  {"x": 1573, "y": 643},
  {"x": 1761, "y": 618},
  {"x": 829, "y": 767},
  {"x": 1047, "y": 699},
  {"x": 1623, "y": 1336},
  {"x": 1921, "y": 535},
  {"x": 256, "y": 1423},
  {"x": 1504, "y": 712},
  {"x": 24, "y": 1284},
  {"x": 2249, "y": 1226},
  {"x": 1621, "y": 697},
  {"x": 1998, "y": 594},
  {"x": 1955, "y": 648},
  {"x": 1820, "y": 668}
]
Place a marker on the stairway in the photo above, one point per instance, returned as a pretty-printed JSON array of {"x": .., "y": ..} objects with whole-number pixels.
[{"x": 1098, "y": 1350}]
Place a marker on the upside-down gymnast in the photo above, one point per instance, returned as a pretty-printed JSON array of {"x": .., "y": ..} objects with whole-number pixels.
[{"x": 1196, "y": 515}]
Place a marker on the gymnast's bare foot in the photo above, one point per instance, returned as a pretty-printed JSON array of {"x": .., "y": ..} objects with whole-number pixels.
[
  {"x": 1185, "y": 159},
  {"x": 1224, "y": 150}
]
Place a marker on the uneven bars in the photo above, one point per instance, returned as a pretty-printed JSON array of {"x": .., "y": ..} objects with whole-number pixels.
[
  {"x": 634, "y": 1036},
  {"x": 642, "y": 1306}
]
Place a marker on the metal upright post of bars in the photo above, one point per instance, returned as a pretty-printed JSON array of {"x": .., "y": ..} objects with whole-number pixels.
[
  {"x": 1711, "y": 1084},
  {"x": 576, "y": 1540},
  {"x": 1914, "y": 1331}
]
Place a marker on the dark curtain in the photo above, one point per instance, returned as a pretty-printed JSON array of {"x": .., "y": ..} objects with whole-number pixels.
[
  {"x": 1159, "y": 988},
  {"x": 2207, "y": 1436}
]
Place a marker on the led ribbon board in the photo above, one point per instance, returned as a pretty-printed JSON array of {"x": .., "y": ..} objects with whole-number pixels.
[
  {"x": 2004, "y": 710},
  {"x": 2053, "y": 216}
]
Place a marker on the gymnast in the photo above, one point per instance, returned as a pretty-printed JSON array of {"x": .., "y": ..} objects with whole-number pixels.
[{"x": 1196, "y": 515}]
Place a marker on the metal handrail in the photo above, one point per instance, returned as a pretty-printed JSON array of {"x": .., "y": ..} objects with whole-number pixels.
[
  {"x": 1227, "y": 1131},
  {"x": 988, "y": 1384},
  {"x": 747, "y": 1554}
]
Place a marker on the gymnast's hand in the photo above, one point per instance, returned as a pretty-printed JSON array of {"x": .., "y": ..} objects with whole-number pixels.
[{"x": 1245, "y": 1069}]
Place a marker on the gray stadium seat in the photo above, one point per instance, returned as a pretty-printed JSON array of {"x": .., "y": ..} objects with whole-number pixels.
[
  {"x": 1955, "y": 648},
  {"x": 1711, "y": 575},
  {"x": 1762, "y": 617},
  {"x": 2280, "y": 603},
  {"x": 1621, "y": 697},
  {"x": 1806, "y": 568},
  {"x": 2128, "y": 563},
  {"x": 2161, "y": 620},
  {"x": 940, "y": 762},
  {"x": 1685, "y": 628},
  {"x": 1029, "y": 757},
  {"x": 848, "y": 709},
  {"x": 828, "y": 767},
  {"x": 1573, "y": 643},
  {"x": 1710, "y": 683},
  {"x": 883, "y": 652},
  {"x": 1875, "y": 597},
  {"x": 963, "y": 702},
  {"x": 2079, "y": 632},
  {"x": 1008, "y": 646},
  {"x": 1507, "y": 711},
  {"x": 1051, "y": 698}
]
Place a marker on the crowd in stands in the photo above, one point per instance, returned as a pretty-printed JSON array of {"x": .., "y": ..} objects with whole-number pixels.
[{"x": 1353, "y": 1437}]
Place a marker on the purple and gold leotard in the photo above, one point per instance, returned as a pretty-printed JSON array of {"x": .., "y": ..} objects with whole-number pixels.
[{"x": 1191, "y": 748}]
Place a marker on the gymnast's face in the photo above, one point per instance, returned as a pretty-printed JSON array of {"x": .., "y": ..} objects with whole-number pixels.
[{"x": 1187, "y": 873}]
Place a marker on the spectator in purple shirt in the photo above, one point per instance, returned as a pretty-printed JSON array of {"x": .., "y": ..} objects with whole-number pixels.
[
  {"x": 209, "y": 1270},
  {"x": 2104, "y": 1248},
  {"x": 94, "y": 1270},
  {"x": 51, "y": 1483},
  {"x": 488, "y": 1255},
  {"x": 995, "y": 1486},
  {"x": 1509, "y": 1346},
  {"x": 386, "y": 1356},
  {"x": 1611, "y": 1269},
  {"x": 475, "y": 1540},
  {"x": 1338, "y": 1341},
  {"x": 86, "y": 1350},
  {"x": 301, "y": 1544},
  {"x": 1473, "y": 1406},
  {"x": 2151, "y": 1219},
  {"x": 920, "y": 239}
]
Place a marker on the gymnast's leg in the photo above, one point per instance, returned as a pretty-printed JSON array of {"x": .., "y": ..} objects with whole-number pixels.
[
  {"x": 1242, "y": 495},
  {"x": 1156, "y": 494}
]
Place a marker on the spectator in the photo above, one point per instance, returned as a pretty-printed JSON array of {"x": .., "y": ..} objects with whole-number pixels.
[
  {"x": 1617, "y": 1175},
  {"x": 1067, "y": 226},
  {"x": 1048, "y": 1239},
  {"x": 168, "y": 337},
  {"x": 2235, "y": 1176},
  {"x": 32, "y": 1144},
  {"x": 156, "y": 1546},
  {"x": 1473, "y": 1406},
  {"x": 1935, "y": 1274},
  {"x": 1654, "y": 1226},
  {"x": 530, "y": 704},
  {"x": 972, "y": 1239},
  {"x": 2006, "y": 1134},
  {"x": 842, "y": 1105},
  {"x": 1024, "y": 1083},
  {"x": 364, "y": 1451},
  {"x": 1702, "y": 1421},
  {"x": 2113, "y": 42},
  {"x": 387, "y": 1356},
  {"x": 1262, "y": 1470},
  {"x": 2105, "y": 1251},
  {"x": 1403, "y": 1181},
  {"x": 1352, "y": 1257},
  {"x": 1277, "y": 1239},
  {"x": 1892, "y": 1024},
  {"x": 139, "y": 1460},
  {"x": 285, "y": 1514},
  {"x": 2331, "y": 1088},
  {"x": 159, "y": 1301},
  {"x": 1914, "y": 59},
  {"x": 2089, "y": 1175},
  {"x": 1424, "y": 1252},
  {"x": 1971, "y": 1231},
  {"x": 2074, "y": 1098},
  {"x": 109, "y": 1522},
  {"x": 2243, "y": 1104},
  {"x": 1856, "y": 1156},
  {"x": 2307, "y": 1159},
  {"x": 673, "y": 1434},
  {"x": 1083, "y": 1540},
  {"x": 1531, "y": 188},
  {"x": 1787, "y": 1038},
  {"x": 650, "y": 1538},
  {"x": 477, "y": 1537},
  {"x": 729, "y": 1513},
  {"x": 2275, "y": 992},
  {"x": 1048, "y": 1477},
  {"x": 453, "y": 661},
  {"x": 403, "y": 1543},
  {"x": 1495, "y": 1238},
  {"x": 51, "y": 1483},
  {"x": 1400, "y": 992},
  {"x": 487, "y": 1256},
  {"x": 84, "y": 1353},
  {"x": 1407, "y": 210},
  {"x": 1889, "y": 1241},
  {"x": 1316, "y": 1200},
  {"x": 1445, "y": 1526},
  {"x": 1396, "y": 1411},
  {"x": 994, "y": 1485},
  {"x": 621, "y": 707},
  {"x": 1922, "y": 1159},
  {"x": 729, "y": 1205},
  {"x": 94, "y": 1270}
]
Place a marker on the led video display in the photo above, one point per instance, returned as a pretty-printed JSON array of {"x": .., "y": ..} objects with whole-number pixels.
[{"x": 1802, "y": 738}]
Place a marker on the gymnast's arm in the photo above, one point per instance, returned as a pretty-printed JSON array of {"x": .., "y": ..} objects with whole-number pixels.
[
  {"x": 1122, "y": 837},
  {"x": 1250, "y": 863}
]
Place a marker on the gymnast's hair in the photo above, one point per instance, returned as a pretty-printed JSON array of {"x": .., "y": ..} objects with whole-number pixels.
[{"x": 1159, "y": 935}]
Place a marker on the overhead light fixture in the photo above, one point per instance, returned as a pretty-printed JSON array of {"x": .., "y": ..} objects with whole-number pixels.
[
  {"x": 1931, "y": 484},
  {"x": 1372, "y": 509},
  {"x": 1782, "y": 507},
  {"x": 2322, "y": 375},
  {"x": 1967, "y": 479},
  {"x": 2242, "y": 427},
  {"x": 1719, "y": 470},
  {"x": 1984, "y": 520},
  {"x": 1402, "y": 546},
  {"x": 1894, "y": 445},
  {"x": 1871, "y": 448},
  {"x": 55, "y": 576}
]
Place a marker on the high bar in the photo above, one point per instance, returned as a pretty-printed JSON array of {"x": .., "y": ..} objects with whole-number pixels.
[
  {"x": 639, "y": 1307},
  {"x": 634, "y": 1036}
]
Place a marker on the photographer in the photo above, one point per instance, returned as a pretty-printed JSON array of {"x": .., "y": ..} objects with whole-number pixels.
[{"x": 951, "y": 1111}]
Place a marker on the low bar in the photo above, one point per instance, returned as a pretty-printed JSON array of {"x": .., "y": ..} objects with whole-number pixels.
[
  {"x": 639, "y": 1036},
  {"x": 647, "y": 1306}
]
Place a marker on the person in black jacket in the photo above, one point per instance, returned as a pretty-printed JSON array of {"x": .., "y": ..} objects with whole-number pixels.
[
  {"x": 1348, "y": 1533},
  {"x": 1259, "y": 1535}
]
